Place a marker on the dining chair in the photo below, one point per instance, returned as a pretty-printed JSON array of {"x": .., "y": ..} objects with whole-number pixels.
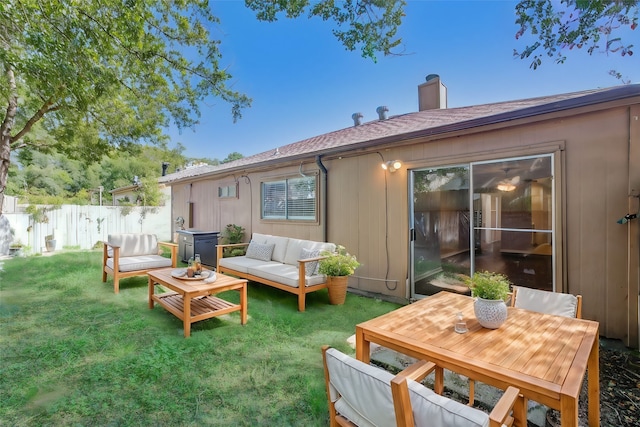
[
  {"x": 546, "y": 302},
  {"x": 363, "y": 395}
]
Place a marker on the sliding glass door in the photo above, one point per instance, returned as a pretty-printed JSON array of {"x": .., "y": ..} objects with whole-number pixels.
[{"x": 495, "y": 216}]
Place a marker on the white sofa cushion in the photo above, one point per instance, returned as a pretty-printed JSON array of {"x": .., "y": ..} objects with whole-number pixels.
[
  {"x": 260, "y": 251},
  {"x": 365, "y": 390},
  {"x": 546, "y": 302},
  {"x": 280, "y": 247},
  {"x": 432, "y": 410},
  {"x": 142, "y": 262},
  {"x": 283, "y": 273},
  {"x": 133, "y": 244},
  {"x": 260, "y": 238},
  {"x": 295, "y": 246},
  {"x": 242, "y": 263}
]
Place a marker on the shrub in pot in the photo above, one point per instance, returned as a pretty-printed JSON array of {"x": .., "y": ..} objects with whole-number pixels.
[
  {"x": 491, "y": 291},
  {"x": 337, "y": 266}
]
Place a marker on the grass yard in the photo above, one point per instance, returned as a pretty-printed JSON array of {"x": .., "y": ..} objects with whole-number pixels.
[{"x": 74, "y": 353}]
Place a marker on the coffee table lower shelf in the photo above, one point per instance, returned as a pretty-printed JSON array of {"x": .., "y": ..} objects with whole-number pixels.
[{"x": 202, "y": 308}]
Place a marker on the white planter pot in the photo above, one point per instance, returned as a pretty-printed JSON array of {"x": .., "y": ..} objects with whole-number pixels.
[{"x": 490, "y": 313}]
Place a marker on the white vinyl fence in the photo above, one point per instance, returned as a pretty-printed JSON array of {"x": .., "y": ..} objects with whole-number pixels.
[{"x": 85, "y": 226}]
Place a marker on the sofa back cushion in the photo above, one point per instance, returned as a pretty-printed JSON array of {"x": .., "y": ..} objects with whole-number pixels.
[
  {"x": 295, "y": 246},
  {"x": 259, "y": 238},
  {"x": 134, "y": 244},
  {"x": 279, "y": 247}
]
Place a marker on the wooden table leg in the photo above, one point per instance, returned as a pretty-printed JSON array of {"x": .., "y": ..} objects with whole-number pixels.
[
  {"x": 362, "y": 347},
  {"x": 243, "y": 304},
  {"x": 151, "y": 290},
  {"x": 593, "y": 383},
  {"x": 568, "y": 411},
  {"x": 186, "y": 313}
]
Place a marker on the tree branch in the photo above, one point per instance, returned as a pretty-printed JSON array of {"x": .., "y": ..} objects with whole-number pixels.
[{"x": 47, "y": 107}]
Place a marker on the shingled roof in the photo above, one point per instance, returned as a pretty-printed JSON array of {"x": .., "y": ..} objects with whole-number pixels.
[{"x": 413, "y": 125}]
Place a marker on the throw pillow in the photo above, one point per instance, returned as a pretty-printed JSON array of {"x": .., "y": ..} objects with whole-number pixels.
[
  {"x": 311, "y": 268},
  {"x": 260, "y": 251}
]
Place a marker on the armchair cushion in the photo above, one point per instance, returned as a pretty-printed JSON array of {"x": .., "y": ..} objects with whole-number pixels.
[
  {"x": 143, "y": 262},
  {"x": 361, "y": 392},
  {"x": 133, "y": 244}
]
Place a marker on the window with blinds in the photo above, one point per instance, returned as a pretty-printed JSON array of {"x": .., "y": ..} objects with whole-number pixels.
[{"x": 290, "y": 199}]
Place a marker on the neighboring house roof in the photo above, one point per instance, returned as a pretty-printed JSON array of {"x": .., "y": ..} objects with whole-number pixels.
[{"x": 414, "y": 125}]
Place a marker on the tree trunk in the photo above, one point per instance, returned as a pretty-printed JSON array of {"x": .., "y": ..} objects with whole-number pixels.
[{"x": 5, "y": 133}]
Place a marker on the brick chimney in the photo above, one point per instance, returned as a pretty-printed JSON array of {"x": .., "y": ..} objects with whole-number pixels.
[{"x": 432, "y": 95}]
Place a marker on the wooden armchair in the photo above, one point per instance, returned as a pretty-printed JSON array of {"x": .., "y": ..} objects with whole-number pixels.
[
  {"x": 363, "y": 395},
  {"x": 134, "y": 254}
]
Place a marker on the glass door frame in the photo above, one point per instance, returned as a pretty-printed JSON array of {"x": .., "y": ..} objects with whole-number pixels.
[{"x": 472, "y": 224}]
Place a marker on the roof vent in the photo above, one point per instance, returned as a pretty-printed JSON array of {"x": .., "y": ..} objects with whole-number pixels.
[
  {"x": 382, "y": 112},
  {"x": 357, "y": 119},
  {"x": 431, "y": 77}
]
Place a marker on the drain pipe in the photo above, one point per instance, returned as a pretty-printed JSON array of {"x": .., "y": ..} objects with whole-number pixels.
[{"x": 325, "y": 198}]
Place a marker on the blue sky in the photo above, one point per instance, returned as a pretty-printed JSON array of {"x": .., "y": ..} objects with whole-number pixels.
[{"x": 304, "y": 83}]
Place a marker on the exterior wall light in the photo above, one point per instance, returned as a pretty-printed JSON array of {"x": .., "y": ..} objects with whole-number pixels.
[{"x": 392, "y": 165}]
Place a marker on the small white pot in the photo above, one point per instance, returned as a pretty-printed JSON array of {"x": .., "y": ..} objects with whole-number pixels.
[{"x": 490, "y": 313}]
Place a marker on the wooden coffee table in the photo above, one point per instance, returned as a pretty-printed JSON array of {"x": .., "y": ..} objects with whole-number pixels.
[{"x": 194, "y": 300}]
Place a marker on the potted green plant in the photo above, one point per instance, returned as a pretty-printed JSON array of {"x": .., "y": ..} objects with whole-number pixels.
[
  {"x": 233, "y": 234},
  {"x": 337, "y": 266},
  {"x": 491, "y": 291}
]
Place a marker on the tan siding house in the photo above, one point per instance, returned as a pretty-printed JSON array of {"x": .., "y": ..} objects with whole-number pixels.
[{"x": 533, "y": 188}]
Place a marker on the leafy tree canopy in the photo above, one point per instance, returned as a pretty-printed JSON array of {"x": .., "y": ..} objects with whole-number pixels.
[
  {"x": 568, "y": 24},
  {"x": 232, "y": 156},
  {"x": 93, "y": 76}
]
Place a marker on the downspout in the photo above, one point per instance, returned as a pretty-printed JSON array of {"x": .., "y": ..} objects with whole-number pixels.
[{"x": 325, "y": 199}]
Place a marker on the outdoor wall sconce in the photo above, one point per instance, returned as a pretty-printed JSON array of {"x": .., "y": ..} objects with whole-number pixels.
[
  {"x": 391, "y": 165},
  {"x": 625, "y": 219}
]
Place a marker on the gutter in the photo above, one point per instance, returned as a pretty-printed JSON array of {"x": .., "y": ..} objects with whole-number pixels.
[{"x": 325, "y": 199}]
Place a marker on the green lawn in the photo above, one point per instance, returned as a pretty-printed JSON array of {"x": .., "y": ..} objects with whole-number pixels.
[{"x": 74, "y": 353}]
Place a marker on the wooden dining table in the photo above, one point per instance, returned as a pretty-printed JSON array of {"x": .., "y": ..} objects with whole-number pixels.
[{"x": 545, "y": 356}]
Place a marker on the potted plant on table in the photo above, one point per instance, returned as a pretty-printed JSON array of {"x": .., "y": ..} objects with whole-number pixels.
[
  {"x": 491, "y": 291},
  {"x": 337, "y": 266}
]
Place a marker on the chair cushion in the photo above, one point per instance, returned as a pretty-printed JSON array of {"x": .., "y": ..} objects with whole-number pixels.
[
  {"x": 432, "y": 410},
  {"x": 546, "y": 302},
  {"x": 260, "y": 251},
  {"x": 133, "y": 244},
  {"x": 143, "y": 262},
  {"x": 364, "y": 390}
]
